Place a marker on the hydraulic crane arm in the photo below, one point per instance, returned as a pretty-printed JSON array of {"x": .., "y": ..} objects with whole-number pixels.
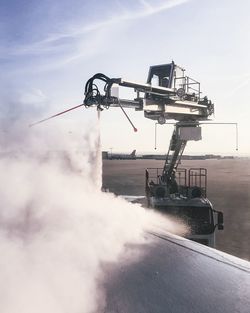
[
  {"x": 183, "y": 132},
  {"x": 172, "y": 161},
  {"x": 167, "y": 95},
  {"x": 169, "y": 98}
]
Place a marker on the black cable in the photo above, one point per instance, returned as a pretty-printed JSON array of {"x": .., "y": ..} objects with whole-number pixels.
[{"x": 93, "y": 95}]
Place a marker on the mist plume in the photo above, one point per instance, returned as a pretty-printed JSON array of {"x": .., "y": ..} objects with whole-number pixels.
[{"x": 56, "y": 226}]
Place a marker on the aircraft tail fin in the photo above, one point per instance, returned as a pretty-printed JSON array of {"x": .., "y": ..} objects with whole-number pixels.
[{"x": 133, "y": 153}]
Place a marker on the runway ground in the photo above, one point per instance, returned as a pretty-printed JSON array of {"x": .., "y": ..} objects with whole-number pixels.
[{"x": 228, "y": 190}]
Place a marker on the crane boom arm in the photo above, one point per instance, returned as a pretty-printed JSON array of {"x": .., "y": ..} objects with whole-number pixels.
[
  {"x": 158, "y": 102},
  {"x": 168, "y": 94}
]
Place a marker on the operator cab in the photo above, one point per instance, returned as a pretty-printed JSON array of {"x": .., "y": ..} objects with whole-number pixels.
[
  {"x": 167, "y": 75},
  {"x": 173, "y": 95},
  {"x": 161, "y": 75}
]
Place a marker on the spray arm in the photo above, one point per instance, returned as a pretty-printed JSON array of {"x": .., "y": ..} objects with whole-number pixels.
[{"x": 158, "y": 103}]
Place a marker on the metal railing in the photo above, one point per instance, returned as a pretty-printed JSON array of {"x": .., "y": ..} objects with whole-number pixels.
[
  {"x": 190, "y": 85},
  {"x": 197, "y": 177},
  {"x": 185, "y": 178}
]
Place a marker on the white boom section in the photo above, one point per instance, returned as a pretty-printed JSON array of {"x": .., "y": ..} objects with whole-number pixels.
[{"x": 160, "y": 102}]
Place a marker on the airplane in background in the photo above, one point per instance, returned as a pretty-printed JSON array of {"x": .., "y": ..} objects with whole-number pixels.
[{"x": 119, "y": 156}]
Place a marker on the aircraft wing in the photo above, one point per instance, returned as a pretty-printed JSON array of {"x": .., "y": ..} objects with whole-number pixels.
[
  {"x": 134, "y": 199},
  {"x": 170, "y": 274}
]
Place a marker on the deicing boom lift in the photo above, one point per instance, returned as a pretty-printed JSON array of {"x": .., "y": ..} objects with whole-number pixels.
[{"x": 168, "y": 95}]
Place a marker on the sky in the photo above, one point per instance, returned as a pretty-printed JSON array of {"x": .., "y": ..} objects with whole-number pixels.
[{"x": 49, "y": 49}]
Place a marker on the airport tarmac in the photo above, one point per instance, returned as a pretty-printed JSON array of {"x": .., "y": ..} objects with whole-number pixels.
[{"x": 228, "y": 189}]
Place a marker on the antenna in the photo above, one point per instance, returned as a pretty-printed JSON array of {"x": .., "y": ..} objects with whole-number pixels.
[
  {"x": 155, "y": 135},
  {"x": 55, "y": 115},
  {"x": 124, "y": 112},
  {"x": 78, "y": 106}
]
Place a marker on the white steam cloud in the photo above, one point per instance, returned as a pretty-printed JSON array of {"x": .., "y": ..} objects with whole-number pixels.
[{"x": 56, "y": 226}]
